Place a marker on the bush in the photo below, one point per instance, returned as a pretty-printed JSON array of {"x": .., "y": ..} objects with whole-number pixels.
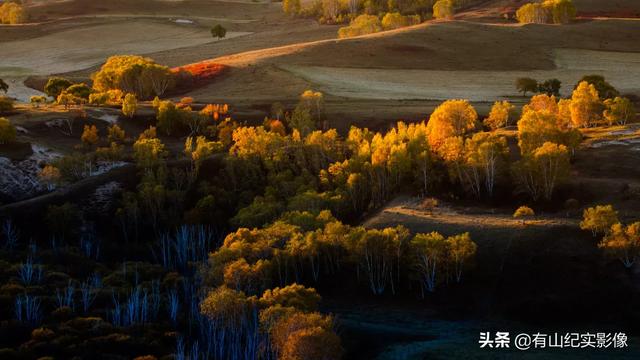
[
  {"x": 362, "y": 25},
  {"x": 7, "y": 131},
  {"x": 12, "y": 13},
  {"x": 533, "y": 14},
  {"x": 443, "y": 9},
  {"x": 395, "y": 21},
  {"x": 6, "y": 104},
  {"x": 218, "y": 31}
]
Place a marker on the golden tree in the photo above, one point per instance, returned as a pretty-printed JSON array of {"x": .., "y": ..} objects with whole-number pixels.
[
  {"x": 443, "y": 9},
  {"x": 499, "y": 115},
  {"x": 129, "y": 105},
  {"x": 451, "y": 118},
  {"x": 90, "y": 135},
  {"x": 586, "y": 106},
  {"x": 7, "y": 131},
  {"x": 599, "y": 219},
  {"x": 623, "y": 243}
]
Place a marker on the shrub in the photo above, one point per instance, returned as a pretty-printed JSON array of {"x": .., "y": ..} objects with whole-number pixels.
[
  {"x": 6, "y": 104},
  {"x": 218, "y": 31},
  {"x": 7, "y": 131},
  {"x": 362, "y": 25},
  {"x": 395, "y": 20},
  {"x": 12, "y": 13},
  {"x": 443, "y": 9}
]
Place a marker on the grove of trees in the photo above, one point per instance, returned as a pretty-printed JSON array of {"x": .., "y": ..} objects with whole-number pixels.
[{"x": 548, "y": 11}]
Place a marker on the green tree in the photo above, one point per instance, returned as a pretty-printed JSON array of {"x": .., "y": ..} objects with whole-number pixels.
[
  {"x": 55, "y": 86},
  {"x": 550, "y": 87},
  {"x": 4, "y": 87},
  {"x": 525, "y": 85},
  {"x": 81, "y": 91},
  {"x": 218, "y": 31},
  {"x": 6, "y": 104}
]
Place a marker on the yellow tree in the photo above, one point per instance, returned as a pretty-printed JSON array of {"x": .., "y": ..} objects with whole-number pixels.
[
  {"x": 443, "y": 9},
  {"x": 148, "y": 152},
  {"x": 523, "y": 212},
  {"x": 619, "y": 111},
  {"x": 50, "y": 176},
  {"x": 129, "y": 105},
  {"x": 599, "y": 219},
  {"x": 586, "y": 106},
  {"x": 431, "y": 251},
  {"x": 552, "y": 162},
  {"x": 499, "y": 115},
  {"x": 199, "y": 151},
  {"x": 451, "y": 118},
  {"x": 90, "y": 135},
  {"x": 461, "y": 251},
  {"x": 623, "y": 242},
  {"x": 7, "y": 131},
  {"x": 485, "y": 153}
]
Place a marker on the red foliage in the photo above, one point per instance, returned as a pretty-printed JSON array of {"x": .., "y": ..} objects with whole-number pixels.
[{"x": 203, "y": 71}]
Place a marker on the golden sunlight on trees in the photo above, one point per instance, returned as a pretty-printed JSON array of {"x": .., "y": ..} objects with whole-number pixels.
[
  {"x": 451, "y": 118},
  {"x": 362, "y": 25},
  {"x": 6, "y": 104},
  {"x": 586, "y": 106},
  {"x": 7, "y": 131},
  {"x": 291, "y": 7},
  {"x": 396, "y": 20},
  {"x": 523, "y": 212},
  {"x": 50, "y": 176},
  {"x": 438, "y": 257},
  {"x": 115, "y": 134},
  {"x": 499, "y": 116},
  {"x": 604, "y": 89},
  {"x": 55, "y": 86},
  {"x": 549, "y": 11},
  {"x": 133, "y": 74},
  {"x": 199, "y": 151},
  {"x": 148, "y": 152},
  {"x": 599, "y": 219},
  {"x": 90, "y": 136},
  {"x": 623, "y": 243},
  {"x": 542, "y": 170},
  {"x": 12, "y": 13},
  {"x": 619, "y": 111},
  {"x": 129, "y": 106},
  {"x": 443, "y": 9}
]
